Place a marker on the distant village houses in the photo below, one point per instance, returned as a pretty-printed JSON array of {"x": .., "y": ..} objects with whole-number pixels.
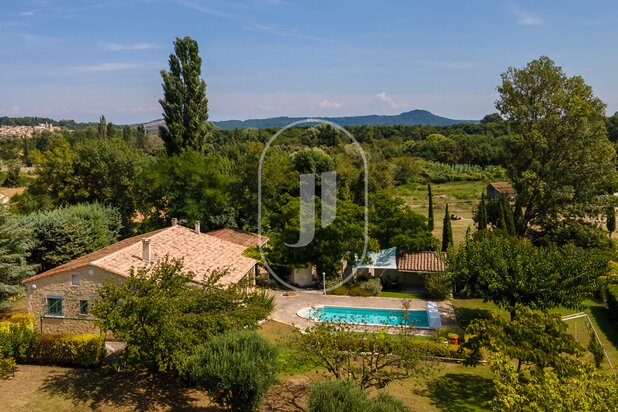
[{"x": 27, "y": 131}]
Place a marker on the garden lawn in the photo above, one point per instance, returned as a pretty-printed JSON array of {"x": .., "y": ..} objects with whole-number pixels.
[{"x": 468, "y": 309}]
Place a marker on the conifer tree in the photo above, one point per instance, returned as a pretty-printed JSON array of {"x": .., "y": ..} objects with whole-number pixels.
[
  {"x": 140, "y": 137},
  {"x": 447, "y": 231},
  {"x": 111, "y": 130},
  {"x": 127, "y": 133},
  {"x": 519, "y": 219},
  {"x": 482, "y": 214},
  {"x": 430, "y": 224},
  {"x": 501, "y": 223},
  {"x": 508, "y": 217},
  {"x": 611, "y": 219},
  {"x": 184, "y": 103}
]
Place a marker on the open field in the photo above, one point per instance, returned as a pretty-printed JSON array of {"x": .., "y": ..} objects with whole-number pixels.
[{"x": 462, "y": 199}]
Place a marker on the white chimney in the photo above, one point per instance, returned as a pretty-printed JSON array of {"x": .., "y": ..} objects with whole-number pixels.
[
  {"x": 197, "y": 227},
  {"x": 146, "y": 252},
  {"x": 174, "y": 221}
]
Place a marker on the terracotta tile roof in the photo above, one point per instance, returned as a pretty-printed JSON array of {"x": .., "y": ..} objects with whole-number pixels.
[
  {"x": 241, "y": 237},
  {"x": 504, "y": 188},
  {"x": 420, "y": 262},
  {"x": 91, "y": 257},
  {"x": 201, "y": 254}
]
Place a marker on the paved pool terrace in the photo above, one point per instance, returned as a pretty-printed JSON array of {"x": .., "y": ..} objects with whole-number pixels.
[{"x": 286, "y": 308}]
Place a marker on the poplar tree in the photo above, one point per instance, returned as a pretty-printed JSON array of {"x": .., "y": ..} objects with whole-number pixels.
[
  {"x": 430, "y": 224},
  {"x": 447, "y": 231},
  {"x": 184, "y": 103},
  {"x": 102, "y": 127}
]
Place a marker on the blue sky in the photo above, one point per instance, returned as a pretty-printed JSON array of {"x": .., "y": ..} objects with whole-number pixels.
[{"x": 263, "y": 58}]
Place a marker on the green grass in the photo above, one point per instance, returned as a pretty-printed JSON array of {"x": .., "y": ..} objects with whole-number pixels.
[
  {"x": 468, "y": 309},
  {"x": 462, "y": 199},
  {"x": 403, "y": 295}
]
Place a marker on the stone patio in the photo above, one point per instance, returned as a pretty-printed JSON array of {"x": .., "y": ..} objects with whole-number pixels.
[{"x": 287, "y": 306}]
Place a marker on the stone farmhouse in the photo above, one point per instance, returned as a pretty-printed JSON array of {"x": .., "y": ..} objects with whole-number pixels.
[{"x": 59, "y": 298}]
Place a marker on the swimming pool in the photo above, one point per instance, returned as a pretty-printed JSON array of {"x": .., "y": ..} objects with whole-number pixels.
[{"x": 429, "y": 318}]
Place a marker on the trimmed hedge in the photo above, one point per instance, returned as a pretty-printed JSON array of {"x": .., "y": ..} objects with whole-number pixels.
[
  {"x": 86, "y": 350},
  {"x": 610, "y": 296}
]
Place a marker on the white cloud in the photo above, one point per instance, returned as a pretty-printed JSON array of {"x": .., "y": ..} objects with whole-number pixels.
[
  {"x": 107, "y": 67},
  {"x": 121, "y": 47},
  {"x": 330, "y": 104},
  {"x": 525, "y": 18},
  {"x": 389, "y": 101},
  {"x": 29, "y": 13}
]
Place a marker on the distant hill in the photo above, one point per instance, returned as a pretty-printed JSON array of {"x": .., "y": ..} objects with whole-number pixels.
[{"x": 414, "y": 117}]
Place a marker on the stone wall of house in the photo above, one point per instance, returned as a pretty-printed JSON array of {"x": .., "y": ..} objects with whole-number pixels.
[{"x": 60, "y": 285}]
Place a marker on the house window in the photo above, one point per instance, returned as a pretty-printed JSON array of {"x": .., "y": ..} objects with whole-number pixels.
[
  {"x": 83, "y": 307},
  {"x": 54, "y": 306},
  {"x": 74, "y": 280}
]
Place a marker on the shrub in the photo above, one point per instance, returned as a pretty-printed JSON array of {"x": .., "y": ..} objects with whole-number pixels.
[
  {"x": 386, "y": 403},
  {"x": 610, "y": 296},
  {"x": 236, "y": 369},
  {"x": 16, "y": 340},
  {"x": 336, "y": 396},
  {"x": 85, "y": 350},
  {"x": 438, "y": 285},
  {"x": 372, "y": 286},
  {"x": 345, "y": 395},
  {"x": 7, "y": 365}
]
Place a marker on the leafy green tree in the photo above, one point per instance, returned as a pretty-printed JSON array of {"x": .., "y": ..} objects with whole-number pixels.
[
  {"x": 612, "y": 127},
  {"x": 12, "y": 174},
  {"x": 533, "y": 339},
  {"x": 236, "y": 369},
  {"x": 189, "y": 186},
  {"x": 357, "y": 357},
  {"x": 393, "y": 224},
  {"x": 107, "y": 171},
  {"x": 162, "y": 317},
  {"x": 511, "y": 272},
  {"x": 184, "y": 103},
  {"x": 611, "y": 219},
  {"x": 127, "y": 133},
  {"x": 111, "y": 130},
  {"x": 560, "y": 158},
  {"x": 102, "y": 127},
  {"x": 141, "y": 140},
  {"x": 430, "y": 212},
  {"x": 447, "y": 231},
  {"x": 583, "y": 389},
  {"x": 56, "y": 180},
  {"x": 341, "y": 241},
  {"x": 60, "y": 235},
  {"x": 15, "y": 244}
]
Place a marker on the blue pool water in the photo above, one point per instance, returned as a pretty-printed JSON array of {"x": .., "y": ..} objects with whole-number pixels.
[{"x": 387, "y": 317}]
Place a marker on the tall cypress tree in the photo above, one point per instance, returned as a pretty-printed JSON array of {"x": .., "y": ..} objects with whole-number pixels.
[
  {"x": 102, "y": 127},
  {"x": 447, "y": 231},
  {"x": 430, "y": 212},
  {"x": 501, "y": 224},
  {"x": 519, "y": 219},
  {"x": 184, "y": 103},
  {"x": 508, "y": 217},
  {"x": 482, "y": 214},
  {"x": 611, "y": 219}
]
